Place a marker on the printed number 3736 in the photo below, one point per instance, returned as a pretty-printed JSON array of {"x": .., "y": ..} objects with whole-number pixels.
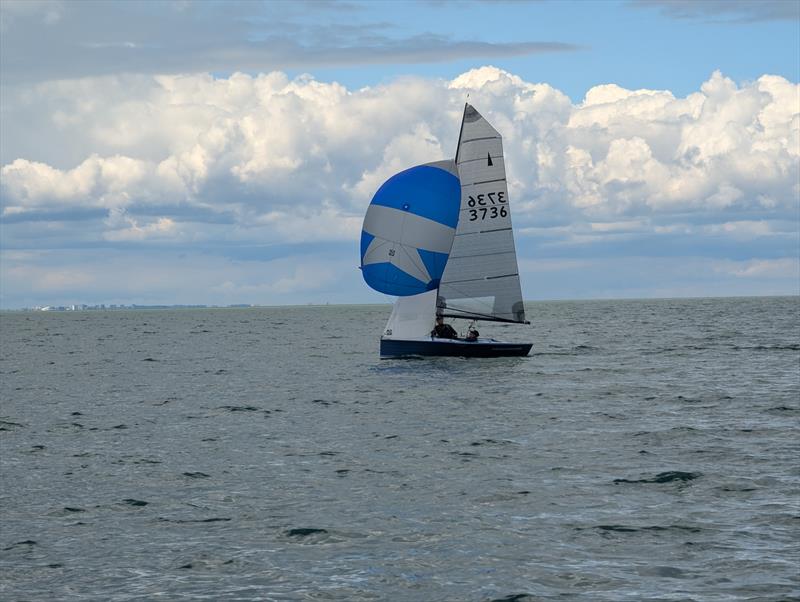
[{"x": 487, "y": 213}]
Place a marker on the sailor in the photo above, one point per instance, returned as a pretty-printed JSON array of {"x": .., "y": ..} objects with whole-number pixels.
[
  {"x": 472, "y": 334},
  {"x": 442, "y": 330}
]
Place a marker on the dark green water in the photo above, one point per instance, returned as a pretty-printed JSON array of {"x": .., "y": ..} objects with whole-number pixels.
[{"x": 646, "y": 450}]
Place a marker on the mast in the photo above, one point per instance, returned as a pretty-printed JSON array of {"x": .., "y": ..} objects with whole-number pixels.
[{"x": 461, "y": 131}]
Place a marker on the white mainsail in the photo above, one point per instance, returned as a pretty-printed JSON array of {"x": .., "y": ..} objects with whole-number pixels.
[{"x": 481, "y": 279}]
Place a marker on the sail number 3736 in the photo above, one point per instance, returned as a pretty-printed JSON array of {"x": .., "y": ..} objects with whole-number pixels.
[{"x": 487, "y": 206}]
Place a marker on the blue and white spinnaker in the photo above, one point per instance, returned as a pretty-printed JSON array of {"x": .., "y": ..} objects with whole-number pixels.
[{"x": 409, "y": 228}]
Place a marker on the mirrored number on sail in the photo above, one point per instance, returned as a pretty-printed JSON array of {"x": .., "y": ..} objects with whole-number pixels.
[{"x": 488, "y": 199}]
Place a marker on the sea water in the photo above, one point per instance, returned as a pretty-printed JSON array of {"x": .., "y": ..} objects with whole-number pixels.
[{"x": 645, "y": 450}]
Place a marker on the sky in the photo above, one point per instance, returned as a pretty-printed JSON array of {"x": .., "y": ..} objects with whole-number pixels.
[{"x": 225, "y": 152}]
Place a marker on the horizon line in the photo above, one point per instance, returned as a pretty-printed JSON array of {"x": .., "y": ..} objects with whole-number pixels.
[{"x": 82, "y": 307}]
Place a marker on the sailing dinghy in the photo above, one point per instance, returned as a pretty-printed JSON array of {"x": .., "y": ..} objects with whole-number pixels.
[{"x": 438, "y": 236}]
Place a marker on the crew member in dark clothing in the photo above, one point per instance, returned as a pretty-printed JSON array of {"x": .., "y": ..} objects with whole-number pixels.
[{"x": 442, "y": 330}]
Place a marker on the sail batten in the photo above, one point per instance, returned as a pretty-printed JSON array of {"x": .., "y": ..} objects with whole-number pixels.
[
  {"x": 483, "y": 261},
  {"x": 484, "y": 254},
  {"x": 484, "y": 182},
  {"x": 482, "y": 138},
  {"x": 483, "y": 231},
  {"x": 484, "y": 278}
]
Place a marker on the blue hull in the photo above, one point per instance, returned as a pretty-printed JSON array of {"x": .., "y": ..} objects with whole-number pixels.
[{"x": 442, "y": 348}]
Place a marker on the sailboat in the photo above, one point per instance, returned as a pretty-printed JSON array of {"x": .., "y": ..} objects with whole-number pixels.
[{"x": 438, "y": 236}]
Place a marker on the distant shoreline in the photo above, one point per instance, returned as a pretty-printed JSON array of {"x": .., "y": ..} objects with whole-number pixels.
[{"x": 136, "y": 307}]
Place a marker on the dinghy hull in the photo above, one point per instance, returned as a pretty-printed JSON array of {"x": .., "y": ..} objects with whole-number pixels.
[{"x": 432, "y": 347}]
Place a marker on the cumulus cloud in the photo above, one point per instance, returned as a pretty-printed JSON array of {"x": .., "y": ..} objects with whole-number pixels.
[
  {"x": 257, "y": 145},
  {"x": 273, "y": 160},
  {"x": 97, "y": 181}
]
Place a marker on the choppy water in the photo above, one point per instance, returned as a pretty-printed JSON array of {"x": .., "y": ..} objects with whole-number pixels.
[{"x": 646, "y": 450}]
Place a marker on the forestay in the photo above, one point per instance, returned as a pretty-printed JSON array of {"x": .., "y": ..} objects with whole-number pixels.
[{"x": 481, "y": 279}]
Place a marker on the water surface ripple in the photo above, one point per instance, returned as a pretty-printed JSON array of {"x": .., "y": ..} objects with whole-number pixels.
[{"x": 646, "y": 450}]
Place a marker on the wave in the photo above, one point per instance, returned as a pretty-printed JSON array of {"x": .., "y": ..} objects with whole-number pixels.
[{"x": 665, "y": 477}]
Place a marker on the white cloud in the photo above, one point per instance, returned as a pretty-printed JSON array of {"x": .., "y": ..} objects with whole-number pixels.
[
  {"x": 124, "y": 228},
  {"x": 537, "y": 266},
  {"x": 786, "y": 267},
  {"x": 719, "y": 11},
  {"x": 74, "y": 276},
  {"x": 47, "y": 12},
  {"x": 400, "y": 153},
  {"x": 301, "y": 226},
  {"x": 745, "y": 229},
  {"x": 96, "y": 182},
  {"x": 201, "y": 140},
  {"x": 269, "y": 160},
  {"x": 45, "y": 39}
]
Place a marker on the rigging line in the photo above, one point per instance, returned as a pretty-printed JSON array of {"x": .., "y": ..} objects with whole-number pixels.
[
  {"x": 466, "y": 313},
  {"x": 465, "y": 294},
  {"x": 476, "y": 315},
  {"x": 484, "y": 319},
  {"x": 461, "y": 133}
]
